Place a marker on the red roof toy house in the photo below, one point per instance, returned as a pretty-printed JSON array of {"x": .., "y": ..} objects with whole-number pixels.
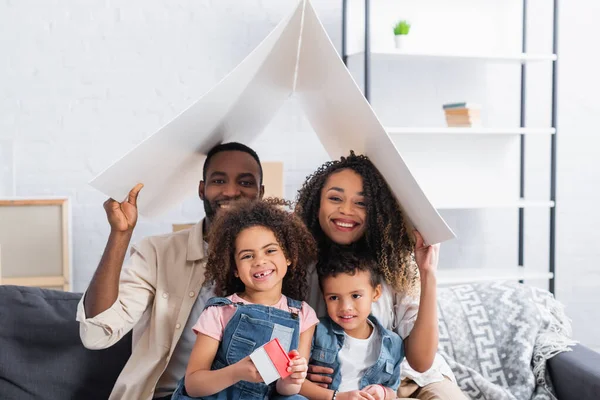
[{"x": 271, "y": 361}]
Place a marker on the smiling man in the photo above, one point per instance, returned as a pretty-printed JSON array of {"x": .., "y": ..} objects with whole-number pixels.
[{"x": 159, "y": 291}]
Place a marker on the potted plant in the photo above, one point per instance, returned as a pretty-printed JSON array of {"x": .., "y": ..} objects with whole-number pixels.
[{"x": 401, "y": 30}]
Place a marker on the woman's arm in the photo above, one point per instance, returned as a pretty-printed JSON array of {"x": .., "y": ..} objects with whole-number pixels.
[
  {"x": 292, "y": 384},
  {"x": 422, "y": 343},
  {"x": 200, "y": 380}
]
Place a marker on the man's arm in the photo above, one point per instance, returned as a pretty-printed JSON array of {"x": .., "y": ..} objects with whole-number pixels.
[
  {"x": 104, "y": 288},
  {"x": 115, "y": 299}
]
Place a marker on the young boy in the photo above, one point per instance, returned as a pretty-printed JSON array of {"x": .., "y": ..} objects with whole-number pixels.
[{"x": 364, "y": 355}]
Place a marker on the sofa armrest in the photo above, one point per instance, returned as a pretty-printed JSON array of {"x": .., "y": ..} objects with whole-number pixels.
[{"x": 576, "y": 374}]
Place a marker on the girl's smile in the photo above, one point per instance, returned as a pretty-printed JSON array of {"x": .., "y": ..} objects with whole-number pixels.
[{"x": 260, "y": 261}]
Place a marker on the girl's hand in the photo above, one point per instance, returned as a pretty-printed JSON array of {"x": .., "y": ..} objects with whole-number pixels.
[
  {"x": 246, "y": 371},
  {"x": 355, "y": 395},
  {"x": 426, "y": 256},
  {"x": 298, "y": 367},
  {"x": 377, "y": 391}
]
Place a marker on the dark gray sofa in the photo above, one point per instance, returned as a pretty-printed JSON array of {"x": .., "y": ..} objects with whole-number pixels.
[{"x": 41, "y": 356}]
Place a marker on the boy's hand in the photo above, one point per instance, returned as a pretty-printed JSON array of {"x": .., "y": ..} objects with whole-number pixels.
[
  {"x": 298, "y": 367},
  {"x": 377, "y": 391},
  {"x": 355, "y": 395},
  {"x": 246, "y": 370},
  {"x": 319, "y": 375}
]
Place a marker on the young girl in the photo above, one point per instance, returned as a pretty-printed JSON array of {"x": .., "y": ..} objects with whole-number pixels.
[
  {"x": 254, "y": 258},
  {"x": 348, "y": 202}
]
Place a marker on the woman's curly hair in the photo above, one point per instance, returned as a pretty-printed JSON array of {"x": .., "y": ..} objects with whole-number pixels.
[
  {"x": 295, "y": 240},
  {"x": 386, "y": 237}
]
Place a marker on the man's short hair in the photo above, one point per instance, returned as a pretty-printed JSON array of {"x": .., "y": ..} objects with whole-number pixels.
[
  {"x": 231, "y": 146},
  {"x": 340, "y": 259}
]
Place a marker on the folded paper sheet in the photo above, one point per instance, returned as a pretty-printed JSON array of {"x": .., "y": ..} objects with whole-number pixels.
[{"x": 296, "y": 58}]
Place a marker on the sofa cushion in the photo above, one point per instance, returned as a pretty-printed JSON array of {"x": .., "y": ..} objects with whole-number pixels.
[{"x": 41, "y": 355}]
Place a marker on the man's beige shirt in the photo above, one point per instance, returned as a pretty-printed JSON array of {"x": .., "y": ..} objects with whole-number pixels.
[{"x": 158, "y": 287}]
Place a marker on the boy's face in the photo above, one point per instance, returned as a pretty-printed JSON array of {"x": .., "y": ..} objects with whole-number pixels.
[{"x": 348, "y": 299}]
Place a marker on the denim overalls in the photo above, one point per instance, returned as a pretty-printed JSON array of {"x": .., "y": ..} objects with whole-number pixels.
[
  {"x": 251, "y": 326},
  {"x": 329, "y": 339}
]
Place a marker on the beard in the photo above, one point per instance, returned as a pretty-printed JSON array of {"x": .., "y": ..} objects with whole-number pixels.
[{"x": 212, "y": 208}]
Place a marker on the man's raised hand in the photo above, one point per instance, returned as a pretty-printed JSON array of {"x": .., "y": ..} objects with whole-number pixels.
[{"x": 122, "y": 217}]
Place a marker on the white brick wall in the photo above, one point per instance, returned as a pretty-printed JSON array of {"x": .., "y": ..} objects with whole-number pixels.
[{"x": 83, "y": 82}]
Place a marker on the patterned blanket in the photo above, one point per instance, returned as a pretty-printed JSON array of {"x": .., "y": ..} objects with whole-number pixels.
[{"x": 497, "y": 338}]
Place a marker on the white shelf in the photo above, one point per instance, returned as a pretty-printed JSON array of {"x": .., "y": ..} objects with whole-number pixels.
[
  {"x": 452, "y": 276},
  {"x": 493, "y": 204},
  {"x": 469, "y": 131},
  {"x": 500, "y": 58}
]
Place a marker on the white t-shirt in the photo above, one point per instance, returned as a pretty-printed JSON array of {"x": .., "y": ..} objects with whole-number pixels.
[{"x": 356, "y": 356}]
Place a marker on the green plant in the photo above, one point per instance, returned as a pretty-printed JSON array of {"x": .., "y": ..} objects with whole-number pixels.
[{"x": 402, "y": 27}]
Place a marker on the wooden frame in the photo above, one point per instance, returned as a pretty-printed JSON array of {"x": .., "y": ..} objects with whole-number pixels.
[{"x": 47, "y": 281}]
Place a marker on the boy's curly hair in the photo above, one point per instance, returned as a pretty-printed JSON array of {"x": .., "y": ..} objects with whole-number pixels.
[
  {"x": 341, "y": 259},
  {"x": 386, "y": 237},
  {"x": 295, "y": 240}
]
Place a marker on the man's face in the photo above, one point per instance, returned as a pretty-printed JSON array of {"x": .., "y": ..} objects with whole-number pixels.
[{"x": 230, "y": 176}]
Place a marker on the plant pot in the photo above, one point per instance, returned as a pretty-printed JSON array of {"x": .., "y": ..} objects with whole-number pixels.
[{"x": 401, "y": 41}]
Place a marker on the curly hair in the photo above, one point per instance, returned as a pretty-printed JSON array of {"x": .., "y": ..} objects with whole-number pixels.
[
  {"x": 295, "y": 240},
  {"x": 341, "y": 259},
  {"x": 386, "y": 237}
]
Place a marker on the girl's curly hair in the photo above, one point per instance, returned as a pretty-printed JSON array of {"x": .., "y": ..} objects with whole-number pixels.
[
  {"x": 295, "y": 240},
  {"x": 386, "y": 237}
]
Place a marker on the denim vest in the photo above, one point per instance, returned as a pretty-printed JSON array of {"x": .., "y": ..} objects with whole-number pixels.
[
  {"x": 251, "y": 326},
  {"x": 329, "y": 339}
]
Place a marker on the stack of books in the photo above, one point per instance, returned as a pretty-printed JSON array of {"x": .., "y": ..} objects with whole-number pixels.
[{"x": 462, "y": 114}]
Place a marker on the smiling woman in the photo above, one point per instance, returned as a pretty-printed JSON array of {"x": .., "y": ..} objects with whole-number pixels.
[
  {"x": 348, "y": 201},
  {"x": 342, "y": 214}
]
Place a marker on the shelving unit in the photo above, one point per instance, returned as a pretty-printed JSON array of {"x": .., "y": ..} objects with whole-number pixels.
[
  {"x": 469, "y": 131},
  {"x": 517, "y": 272},
  {"x": 457, "y": 276},
  {"x": 500, "y": 204},
  {"x": 497, "y": 58}
]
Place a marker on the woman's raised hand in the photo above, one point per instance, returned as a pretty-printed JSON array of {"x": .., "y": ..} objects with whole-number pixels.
[{"x": 426, "y": 256}]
